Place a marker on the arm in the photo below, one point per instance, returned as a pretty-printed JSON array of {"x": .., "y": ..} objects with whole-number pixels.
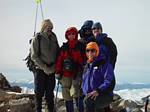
[
  {"x": 35, "y": 53},
  {"x": 113, "y": 52},
  {"x": 109, "y": 81}
]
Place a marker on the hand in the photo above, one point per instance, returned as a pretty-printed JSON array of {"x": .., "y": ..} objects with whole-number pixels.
[
  {"x": 58, "y": 76},
  {"x": 93, "y": 95},
  {"x": 48, "y": 70}
]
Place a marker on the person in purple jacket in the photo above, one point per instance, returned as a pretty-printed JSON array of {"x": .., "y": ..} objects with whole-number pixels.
[{"x": 97, "y": 81}]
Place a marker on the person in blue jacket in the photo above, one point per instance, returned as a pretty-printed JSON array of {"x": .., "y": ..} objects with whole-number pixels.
[
  {"x": 97, "y": 78},
  {"x": 108, "y": 48}
]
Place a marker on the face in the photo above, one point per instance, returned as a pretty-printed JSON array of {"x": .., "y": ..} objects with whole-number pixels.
[
  {"x": 87, "y": 32},
  {"x": 91, "y": 53},
  {"x": 96, "y": 31},
  {"x": 48, "y": 30},
  {"x": 71, "y": 36}
]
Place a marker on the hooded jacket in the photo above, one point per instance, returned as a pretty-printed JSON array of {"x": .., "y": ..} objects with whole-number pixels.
[
  {"x": 73, "y": 50},
  {"x": 98, "y": 77}
]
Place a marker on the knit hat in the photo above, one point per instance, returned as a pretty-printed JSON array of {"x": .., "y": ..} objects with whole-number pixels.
[
  {"x": 71, "y": 30},
  {"x": 93, "y": 45},
  {"x": 45, "y": 23},
  {"x": 97, "y": 25}
]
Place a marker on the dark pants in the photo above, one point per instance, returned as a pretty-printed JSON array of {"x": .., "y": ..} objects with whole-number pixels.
[
  {"x": 98, "y": 105},
  {"x": 44, "y": 86}
]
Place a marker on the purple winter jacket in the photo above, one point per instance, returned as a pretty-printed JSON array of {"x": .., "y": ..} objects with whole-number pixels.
[{"x": 98, "y": 77}]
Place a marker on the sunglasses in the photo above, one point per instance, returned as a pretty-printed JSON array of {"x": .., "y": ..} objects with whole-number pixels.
[
  {"x": 86, "y": 30},
  {"x": 90, "y": 50},
  {"x": 95, "y": 28}
]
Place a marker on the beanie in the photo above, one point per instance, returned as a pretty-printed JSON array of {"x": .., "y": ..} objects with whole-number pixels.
[
  {"x": 45, "y": 23},
  {"x": 93, "y": 45},
  {"x": 97, "y": 25}
]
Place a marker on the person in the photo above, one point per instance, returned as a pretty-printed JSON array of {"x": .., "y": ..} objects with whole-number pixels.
[
  {"x": 97, "y": 78},
  {"x": 68, "y": 67},
  {"x": 86, "y": 32},
  {"x": 107, "y": 46},
  {"x": 44, "y": 59}
]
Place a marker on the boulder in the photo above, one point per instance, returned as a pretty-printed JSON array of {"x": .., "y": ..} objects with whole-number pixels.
[
  {"x": 4, "y": 85},
  {"x": 14, "y": 102}
]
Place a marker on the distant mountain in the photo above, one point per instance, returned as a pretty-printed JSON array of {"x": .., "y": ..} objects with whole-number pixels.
[
  {"x": 23, "y": 84},
  {"x": 131, "y": 86},
  {"x": 134, "y": 91},
  {"x": 119, "y": 86}
]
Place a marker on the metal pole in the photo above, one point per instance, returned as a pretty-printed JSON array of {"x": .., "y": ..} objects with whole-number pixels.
[
  {"x": 146, "y": 104},
  {"x": 35, "y": 20},
  {"x": 42, "y": 11}
]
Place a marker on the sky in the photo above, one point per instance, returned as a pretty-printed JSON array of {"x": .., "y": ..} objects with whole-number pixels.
[{"x": 125, "y": 21}]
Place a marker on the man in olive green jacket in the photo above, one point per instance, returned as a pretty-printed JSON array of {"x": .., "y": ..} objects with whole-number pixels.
[{"x": 44, "y": 50}]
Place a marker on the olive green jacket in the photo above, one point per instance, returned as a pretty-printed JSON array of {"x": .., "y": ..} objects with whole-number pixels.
[{"x": 48, "y": 51}]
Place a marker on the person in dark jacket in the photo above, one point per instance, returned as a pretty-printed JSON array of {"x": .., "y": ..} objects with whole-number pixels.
[
  {"x": 107, "y": 46},
  {"x": 97, "y": 78},
  {"x": 68, "y": 66},
  {"x": 86, "y": 32},
  {"x": 44, "y": 53}
]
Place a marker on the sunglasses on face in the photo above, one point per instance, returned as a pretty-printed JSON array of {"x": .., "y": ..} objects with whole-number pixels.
[
  {"x": 90, "y": 50},
  {"x": 86, "y": 30},
  {"x": 96, "y": 29}
]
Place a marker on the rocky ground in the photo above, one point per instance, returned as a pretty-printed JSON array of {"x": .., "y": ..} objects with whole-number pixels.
[{"x": 12, "y": 100}]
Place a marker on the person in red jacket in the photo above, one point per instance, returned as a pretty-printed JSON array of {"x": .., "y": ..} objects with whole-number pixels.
[{"x": 68, "y": 68}]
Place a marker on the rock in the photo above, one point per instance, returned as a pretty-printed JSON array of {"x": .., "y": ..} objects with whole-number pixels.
[
  {"x": 116, "y": 97},
  {"x": 4, "y": 85},
  {"x": 16, "y": 89},
  {"x": 115, "y": 105},
  {"x": 136, "y": 110},
  {"x": 21, "y": 105},
  {"x": 128, "y": 103},
  {"x": 16, "y": 102}
]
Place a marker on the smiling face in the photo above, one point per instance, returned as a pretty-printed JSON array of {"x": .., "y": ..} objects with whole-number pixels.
[
  {"x": 71, "y": 36},
  {"x": 91, "y": 54}
]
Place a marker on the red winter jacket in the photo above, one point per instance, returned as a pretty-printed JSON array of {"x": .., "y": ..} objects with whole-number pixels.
[{"x": 77, "y": 56}]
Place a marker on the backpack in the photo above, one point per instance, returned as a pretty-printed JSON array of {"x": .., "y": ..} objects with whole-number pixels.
[{"x": 29, "y": 62}]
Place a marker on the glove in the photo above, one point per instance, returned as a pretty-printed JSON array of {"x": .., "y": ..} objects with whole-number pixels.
[{"x": 58, "y": 76}]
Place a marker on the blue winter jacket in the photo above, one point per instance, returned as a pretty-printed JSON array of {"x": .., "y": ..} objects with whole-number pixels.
[{"x": 98, "y": 77}]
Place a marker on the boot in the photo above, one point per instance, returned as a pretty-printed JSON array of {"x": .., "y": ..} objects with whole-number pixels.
[
  {"x": 79, "y": 104},
  {"x": 69, "y": 106}
]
